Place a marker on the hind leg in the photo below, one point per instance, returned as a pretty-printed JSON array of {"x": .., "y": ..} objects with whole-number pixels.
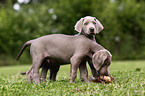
[
  {"x": 37, "y": 61},
  {"x": 29, "y": 75}
]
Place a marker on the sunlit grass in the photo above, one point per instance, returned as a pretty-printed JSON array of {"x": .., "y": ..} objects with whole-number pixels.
[{"x": 129, "y": 80}]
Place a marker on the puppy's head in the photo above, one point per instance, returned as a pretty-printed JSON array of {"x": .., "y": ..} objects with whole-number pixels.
[
  {"x": 101, "y": 61},
  {"x": 89, "y": 25}
]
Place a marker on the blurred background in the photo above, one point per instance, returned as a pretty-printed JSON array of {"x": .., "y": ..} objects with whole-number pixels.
[{"x": 23, "y": 20}]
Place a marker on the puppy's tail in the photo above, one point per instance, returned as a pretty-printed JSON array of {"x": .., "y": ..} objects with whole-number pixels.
[
  {"x": 23, "y": 73},
  {"x": 23, "y": 48}
]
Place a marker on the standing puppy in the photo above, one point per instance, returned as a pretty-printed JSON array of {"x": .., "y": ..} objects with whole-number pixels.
[
  {"x": 89, "y": 27},
  {"x": 64, "y": 49}
]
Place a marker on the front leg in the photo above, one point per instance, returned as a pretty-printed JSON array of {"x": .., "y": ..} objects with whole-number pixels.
[
  {"x": 93, "y": 70},
  {"x": 75, "y": 62},
  {"x": 83, "y": 72}
]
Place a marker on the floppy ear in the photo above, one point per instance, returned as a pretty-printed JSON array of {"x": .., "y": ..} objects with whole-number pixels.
[
  {"x": 99, "y": 26},
  {"x": 79, "y": 25},
  {"x": 98, "y": 60},
  {"x": 109, "y": 57},
  {"x": 109, "y": 60}
]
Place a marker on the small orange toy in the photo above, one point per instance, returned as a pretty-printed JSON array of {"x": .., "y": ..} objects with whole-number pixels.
[{"x": 102, "y": 79}]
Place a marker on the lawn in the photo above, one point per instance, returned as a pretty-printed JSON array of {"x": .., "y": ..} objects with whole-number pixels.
[{"x": 129, "y": 80}]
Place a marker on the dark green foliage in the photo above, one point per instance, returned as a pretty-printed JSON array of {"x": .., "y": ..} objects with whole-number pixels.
[{"x": 123, "y": 19}]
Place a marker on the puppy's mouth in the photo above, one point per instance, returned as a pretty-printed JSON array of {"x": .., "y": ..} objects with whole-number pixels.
[
  {"x": 91, "y": 34},
  {"x": 88, "y": 34}
]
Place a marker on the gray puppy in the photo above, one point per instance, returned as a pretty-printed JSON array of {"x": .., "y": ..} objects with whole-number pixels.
[
  {"x": 61, "y": 49},
  {"x": 87, "y": 26}
]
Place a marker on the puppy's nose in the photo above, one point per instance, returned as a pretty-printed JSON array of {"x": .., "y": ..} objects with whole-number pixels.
[{"x": 91, "y": 29}]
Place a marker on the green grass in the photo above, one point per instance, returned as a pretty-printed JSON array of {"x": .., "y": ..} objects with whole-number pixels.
[{"x": 129, "y": 81}]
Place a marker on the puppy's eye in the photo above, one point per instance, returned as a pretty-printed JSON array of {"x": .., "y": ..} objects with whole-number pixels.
[
  {"x": 86, "y": 23},
  {"x": 94, "y": 22}
]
